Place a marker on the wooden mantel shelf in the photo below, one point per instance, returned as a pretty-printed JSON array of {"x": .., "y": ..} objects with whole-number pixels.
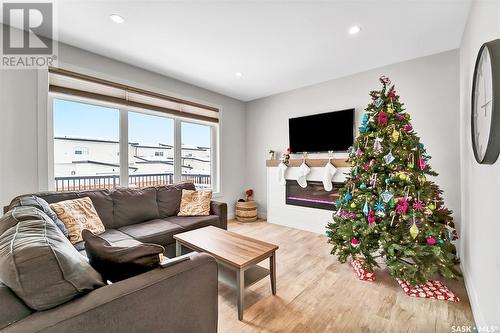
[{"x": 311, "y": 162}]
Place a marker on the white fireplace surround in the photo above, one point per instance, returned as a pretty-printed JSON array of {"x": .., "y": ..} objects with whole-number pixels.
[{"x": 305, "y": 218}]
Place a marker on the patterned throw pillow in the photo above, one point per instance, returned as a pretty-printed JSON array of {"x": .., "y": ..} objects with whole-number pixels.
[
  {"x": 195, "y": 203},
  {"x": 77, "y": 215}
]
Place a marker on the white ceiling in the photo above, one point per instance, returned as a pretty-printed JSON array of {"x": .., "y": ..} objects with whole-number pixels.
[{"x": 276, "y": 45}]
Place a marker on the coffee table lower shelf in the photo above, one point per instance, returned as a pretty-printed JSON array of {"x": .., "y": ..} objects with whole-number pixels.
[{"x": 252, "y": 275}]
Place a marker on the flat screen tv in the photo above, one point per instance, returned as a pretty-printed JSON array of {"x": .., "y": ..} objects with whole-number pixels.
[{"x": 322, "y": 132}]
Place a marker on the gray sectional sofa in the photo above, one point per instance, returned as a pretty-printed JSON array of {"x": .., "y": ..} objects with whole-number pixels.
[{"x": 180, "y": 298}]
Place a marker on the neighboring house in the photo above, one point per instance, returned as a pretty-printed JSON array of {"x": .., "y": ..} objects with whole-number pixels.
[{"x": 75, "y": 157}]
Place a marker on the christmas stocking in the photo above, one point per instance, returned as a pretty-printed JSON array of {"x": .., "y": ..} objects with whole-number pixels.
[
  {"x": 330, "y": 171},
  {"x": 281, "y": 173},
  {"x": 303, "y": 172}
]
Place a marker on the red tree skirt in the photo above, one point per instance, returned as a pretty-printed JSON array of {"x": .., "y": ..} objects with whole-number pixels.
[
  {"x": 431, "y": 289},
  {"x": 357, "y": 266}
]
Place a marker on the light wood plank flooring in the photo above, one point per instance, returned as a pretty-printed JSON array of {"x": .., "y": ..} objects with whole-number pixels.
[{"x": 315, "y": 293}]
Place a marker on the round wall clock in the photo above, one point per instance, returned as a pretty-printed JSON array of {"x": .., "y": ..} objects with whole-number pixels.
[{"x": 485, "y": 104}]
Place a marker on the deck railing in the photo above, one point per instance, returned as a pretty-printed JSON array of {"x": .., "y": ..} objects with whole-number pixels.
[{"x": 78, "y": 183}]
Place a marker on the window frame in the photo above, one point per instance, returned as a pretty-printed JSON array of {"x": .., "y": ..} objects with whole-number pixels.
[{"x": 123, "y": 139}]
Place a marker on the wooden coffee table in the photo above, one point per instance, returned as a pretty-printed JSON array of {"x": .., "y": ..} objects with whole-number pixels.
[{"x": 236, "y": 254}]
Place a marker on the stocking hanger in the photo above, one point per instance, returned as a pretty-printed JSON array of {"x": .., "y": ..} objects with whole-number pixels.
[{"x": 330, "y": 156}]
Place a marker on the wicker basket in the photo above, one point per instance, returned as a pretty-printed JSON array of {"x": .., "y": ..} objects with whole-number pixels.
[{"x": 246, "y": 211}]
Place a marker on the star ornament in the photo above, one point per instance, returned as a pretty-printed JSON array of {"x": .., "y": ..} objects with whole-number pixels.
[
  {"x": 418, "y": 205},
  {"x": 379, "y": 207}
]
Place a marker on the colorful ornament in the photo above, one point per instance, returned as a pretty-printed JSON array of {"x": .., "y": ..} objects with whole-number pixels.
[
  {"x": 382, "y": 118},
  {"x": 391, "y": 94},
  {"x": 390, "y": 110},
  {"x": 414, "y": 231},
  {"x": 411, "y": 161},
  {"x": 402, "y": 176},
  {"x": 395, "y": 135},
  {"x": 378, "y": 102},
  {"x": 399, "y": 116},
  {"x": 379, "y": 207},
  {"x": 366, "y": 167},
  {"x": 347, "y": 197},
  {"x": 366, "y": 209},
  {"x": 441, "y": 241},
  {"x": 392, "y": 203},
  {"x": 431, "y": 240},
  {"x": 371, "y": 217},
  {"x": 386, "y": 196},
  {"x": 389, "y": 158},
  {"x": 362, "y": 186},
  {"x": 402, "y": 206},
  {"x": 418, "y": 205},
  {"x": 421, "y": 164},
  {"x": 354, "y": 241},
  {"x": 422, "y": 179},
  {"x": 408, "y": 127},
  {"x": 359, "y": 153},
  {"x": 377, "y": 145},
  {"x": 353, "y": 205},
  {"x": 431, "y": 206}
]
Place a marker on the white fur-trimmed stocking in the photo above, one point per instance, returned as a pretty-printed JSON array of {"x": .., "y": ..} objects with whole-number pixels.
[
  {"x": 329, "y": 172},
  {"x": 282, "y": 173},
  {"x": 303, "y": 172}
]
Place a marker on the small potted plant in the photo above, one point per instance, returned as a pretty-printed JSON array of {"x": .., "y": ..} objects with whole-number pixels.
[{"x": 272, "y": 154}]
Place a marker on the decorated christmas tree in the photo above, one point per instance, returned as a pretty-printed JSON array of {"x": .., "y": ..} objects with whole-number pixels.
[{"x": 388, "y": 207}]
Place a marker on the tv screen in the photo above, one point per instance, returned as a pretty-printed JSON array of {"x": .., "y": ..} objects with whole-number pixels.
[{"x": 322, "y": 132}]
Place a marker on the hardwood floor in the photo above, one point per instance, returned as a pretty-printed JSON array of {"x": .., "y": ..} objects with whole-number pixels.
[{"x": 315, "y": 293}]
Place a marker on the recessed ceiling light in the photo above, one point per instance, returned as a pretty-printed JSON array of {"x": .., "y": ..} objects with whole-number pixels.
[
  {"x": 238, "y": 74},
  {"x": 116, "y": 18},
  {"x": 354, "y": 29}
]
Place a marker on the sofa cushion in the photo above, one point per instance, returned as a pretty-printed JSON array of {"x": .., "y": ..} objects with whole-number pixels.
[
  {"x": 158, "y": 231},
  {"x": 39, "y": 264},
  {"x": 134, "y": 205},
  {"x": 194, "y": 222},
  {"x": 13, "y": 309},
  {"x": 169, "y": 198},
  {"x": 114, "y": 236},
  {"x": 116, "y": 263},
  {"x": 77, "y": 215},
  {"x": 103, "y": 203},
  {"x": 195, "y": 203},
  {"x": 52, "y": 197},
  {"x": 41, "y": 204}
]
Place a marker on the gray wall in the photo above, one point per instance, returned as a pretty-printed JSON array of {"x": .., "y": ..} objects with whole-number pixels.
[
  {"x": 23, "y": 151},
  {"x": 480, "y": 248},
  {"x": 428, "y": 86}
]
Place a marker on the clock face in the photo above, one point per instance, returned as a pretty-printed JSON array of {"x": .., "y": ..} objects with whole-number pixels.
[{"x": 482, "y": 104}]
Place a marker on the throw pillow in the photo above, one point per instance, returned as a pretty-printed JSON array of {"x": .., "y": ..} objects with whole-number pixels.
[
  {"x": 77, "y": 215},
  {"x": 39, "y": 264},
  {"x": 116, "y": 263},
  {"x": 37, "y": 202},
  {"x": 195, "y": 203}
]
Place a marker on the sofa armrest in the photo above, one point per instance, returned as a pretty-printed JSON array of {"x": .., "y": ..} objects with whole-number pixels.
[
  {"x": 219, "y": 209},
  {"x": 180, "y": 298}
]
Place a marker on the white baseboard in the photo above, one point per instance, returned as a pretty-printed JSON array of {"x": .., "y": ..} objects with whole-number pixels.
[{"x": 473, "y": 299}]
